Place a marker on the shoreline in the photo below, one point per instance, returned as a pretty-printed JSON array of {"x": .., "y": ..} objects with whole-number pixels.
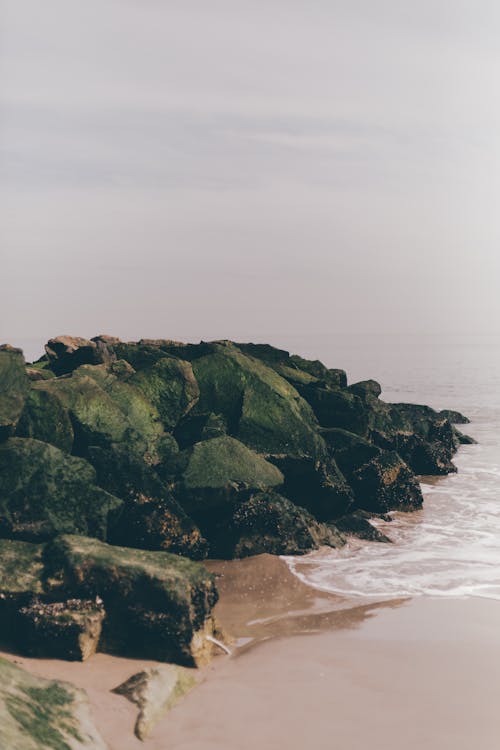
[{"x": 373, "y": 661}]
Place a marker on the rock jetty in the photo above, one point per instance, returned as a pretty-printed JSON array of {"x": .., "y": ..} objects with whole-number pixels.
[{"x": 122, "y": 464}]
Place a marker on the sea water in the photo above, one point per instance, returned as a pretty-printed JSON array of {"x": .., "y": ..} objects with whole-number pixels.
[{"x": 452, "y": 546}]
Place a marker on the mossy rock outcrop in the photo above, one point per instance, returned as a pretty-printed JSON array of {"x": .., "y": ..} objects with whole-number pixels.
[
  {"x": 169, "y": 384},
  {"x": 158, "y": 605},
  {"x": 105, "y": 410},
  {"x": 14, "y": 387},
  {"x": 214, "y": 473},
  {"x": 44, "y": 492},
  {"x": 40, "y": 714},
  {"x": 45, "y": 418},
  {"x": 150, "y": 517},
  {"x": 261, "y": 408}
]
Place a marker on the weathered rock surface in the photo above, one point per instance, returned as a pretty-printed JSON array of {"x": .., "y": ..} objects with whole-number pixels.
[
  {"x": 268, "y": 522},
  {"x": 44, "y": 492},
  {"x": 158, "y": 605},
  {"x": 155, "y": 691},
  {"x": 60, "y": 630},
  {"x": 14, "y": 386},
  {"x": 39, "y": 714}
]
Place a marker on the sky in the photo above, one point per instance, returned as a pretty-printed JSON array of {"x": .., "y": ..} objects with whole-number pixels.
[{"x": 248, "y": 170}]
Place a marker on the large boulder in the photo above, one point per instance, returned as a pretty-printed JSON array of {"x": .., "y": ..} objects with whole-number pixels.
[
  {"x": 44, "y": 492},
  {"x": 105, "y": 410},
  {"x": 158, "y": 605},
  {"x": 269, "y": 522},
  {"x": 386, "y": 483},
  {"x": 261, "y": 409},
  {"x": 214, "y": 472},
  {"x": 380, "y": 479},
  {"x": 14, "y": 386},
  {"x": 38, "y": 714}
]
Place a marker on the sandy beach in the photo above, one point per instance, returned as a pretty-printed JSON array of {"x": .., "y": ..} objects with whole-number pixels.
[{"x": 311, "y": 669}]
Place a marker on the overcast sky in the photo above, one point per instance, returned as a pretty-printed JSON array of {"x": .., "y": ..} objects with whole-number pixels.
[{"x": 241, "y": 169}]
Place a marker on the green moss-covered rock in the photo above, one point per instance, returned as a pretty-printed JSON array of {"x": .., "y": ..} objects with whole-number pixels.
[
  {"x": 269, "y": 522},
  {"x": 261, "y": 409},
  {"x": 150, "y": 518},
  {"x": 39, "y": 714},
  {"x": 293, "y": 368},
  {"x": 169, "y": 384},
  {"x": 45, "y": 418},
  {"x": 105, "y": 410},
  {"x": 214, "y": 470},
  {"x": 21, "y": 568},
  {"x": 14, "y": 386},
  {"x": 158, "y": 605},
  {"x": 44, "y": 492}
]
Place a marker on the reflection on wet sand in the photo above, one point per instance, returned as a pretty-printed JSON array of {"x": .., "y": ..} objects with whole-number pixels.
[{"x": 260, "y": 599}]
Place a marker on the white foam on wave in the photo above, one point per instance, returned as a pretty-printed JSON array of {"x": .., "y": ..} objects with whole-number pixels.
[{"x": 451, "y": 548}]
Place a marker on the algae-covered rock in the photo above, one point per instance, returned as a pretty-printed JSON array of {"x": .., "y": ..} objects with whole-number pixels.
[
  {"x": 261, "y": 408},
  {"x": 155, "y": 691},
  {"x": 21, "y": 568},
  {"x": 269, "y": 522},
  {"x": 14, "y": 386},
  {"x": 158, "y": 605},
  {"x": 69, "y": 629},
  {"x": 45, "y": 418},
  {"x": 169, "y": 384},
  {"x": 214, "y": 471},
  {"x": 40, "y": 714},
  {"x": 44, "y": 492},
  {"x": 105, "y": 410},
  {"x": 150, "y": 517}
]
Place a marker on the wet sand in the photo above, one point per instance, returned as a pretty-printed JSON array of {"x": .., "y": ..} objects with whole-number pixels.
[{"x": 313, "y": 670}]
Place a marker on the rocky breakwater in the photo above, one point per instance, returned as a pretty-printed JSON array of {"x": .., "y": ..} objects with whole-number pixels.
[{"x": 123, "y": 464}]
